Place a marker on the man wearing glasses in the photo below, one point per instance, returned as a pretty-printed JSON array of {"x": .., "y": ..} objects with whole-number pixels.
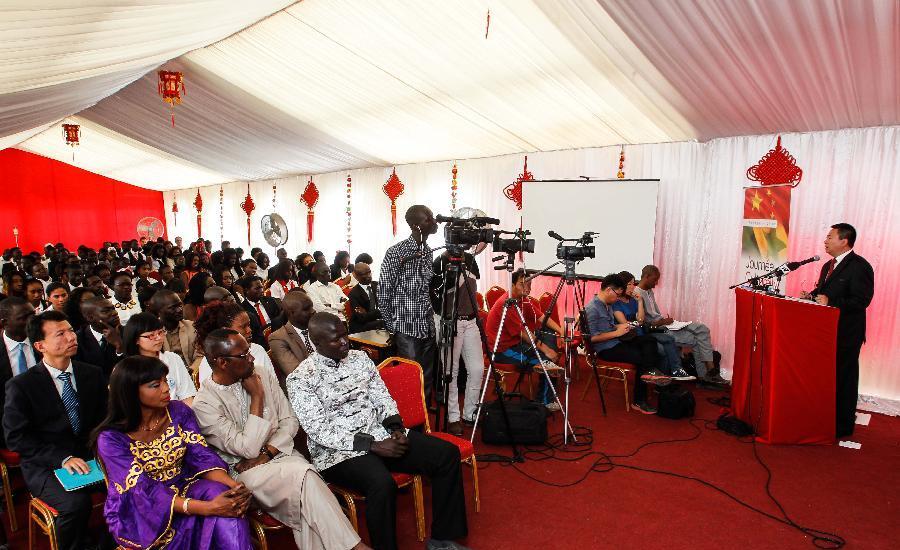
[{"x": 618, "y": 342}]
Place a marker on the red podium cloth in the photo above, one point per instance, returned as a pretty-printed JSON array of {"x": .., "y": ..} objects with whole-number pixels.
[{"x": 784, "y": 368}]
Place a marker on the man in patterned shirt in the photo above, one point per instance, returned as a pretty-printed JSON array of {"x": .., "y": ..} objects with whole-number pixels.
[
  {"x": 356, "y": 437},
  {"x": 403, "y": 293}
]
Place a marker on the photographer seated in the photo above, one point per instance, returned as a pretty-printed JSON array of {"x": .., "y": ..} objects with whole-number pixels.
[
  {"x": 616, "y": 342},
  {"x": 628, "y": 308},
  {"x": 356, "y": 438},
  {"x": 515, "y": 343},
  {"x": 696, "y": 335}
]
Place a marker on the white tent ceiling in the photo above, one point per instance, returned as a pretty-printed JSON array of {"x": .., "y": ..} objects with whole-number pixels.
[{"x": 326, "y": 85}]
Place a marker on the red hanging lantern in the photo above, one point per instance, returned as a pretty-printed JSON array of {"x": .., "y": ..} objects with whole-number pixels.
[
  {"x": 72, "y": 133},
  {"x": 453, "y": 188},
  {"x": 776, "y": 167},
  {"x": 310, "y": 197},
  {"x": 513, "y": 191},
  {"x": 198, "y": 205},
  {"x": 171, "y": 86},
  {"x": 174, "y": 210},
  {"x": 621, "y": 173},
  {"x": 393, "y": 188},
  {"x": 248, "y": 207}
]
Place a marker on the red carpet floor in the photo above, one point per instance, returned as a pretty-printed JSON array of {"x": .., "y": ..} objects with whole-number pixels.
[{"x": 853, "y": 493}]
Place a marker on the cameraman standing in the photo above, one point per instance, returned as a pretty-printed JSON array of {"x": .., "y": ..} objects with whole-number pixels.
[
  {"x": 468, "y": 337},
  {"x": 403, "y": 293}
]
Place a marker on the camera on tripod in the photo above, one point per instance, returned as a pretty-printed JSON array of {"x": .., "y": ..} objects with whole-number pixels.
[
  {"x": 461, "y": 233},
  {"x": 581, "y": 250}
]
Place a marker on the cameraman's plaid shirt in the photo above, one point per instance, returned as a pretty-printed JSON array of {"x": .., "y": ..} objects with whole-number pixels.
[{"x": 403, "y": 289}]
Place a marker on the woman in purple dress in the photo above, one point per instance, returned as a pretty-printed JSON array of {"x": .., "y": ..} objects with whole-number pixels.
[{"x": 166, "y": 487}]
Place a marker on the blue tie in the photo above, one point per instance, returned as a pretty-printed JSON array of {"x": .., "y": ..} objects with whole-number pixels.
[
  {"x": 23, "y": 363},
  {"x": 70, "y": 401}
]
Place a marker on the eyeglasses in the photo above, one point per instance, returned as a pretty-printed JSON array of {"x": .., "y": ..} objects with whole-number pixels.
[
  {"x": 155, "y": 335},
  {"x": 244, "y": 356},
  {"x": 619, "y": 291}
]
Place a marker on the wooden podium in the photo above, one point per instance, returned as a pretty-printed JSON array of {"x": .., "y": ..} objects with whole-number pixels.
[{"x": 784, "y": 368}]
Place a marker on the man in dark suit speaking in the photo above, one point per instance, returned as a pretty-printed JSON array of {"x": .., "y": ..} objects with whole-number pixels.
[
  {"x": 48, "y": 416},
  {"x": 846, "y": 282}
]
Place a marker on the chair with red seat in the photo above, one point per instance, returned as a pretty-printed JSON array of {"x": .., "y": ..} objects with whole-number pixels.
[
  {"x": 603, "y": 369},
  {"x": 261, "y": 522},
  {"x": 44, "y": 516},
  {"x": 403, "y": 379},
  {"x": 544, "y": 301},
  {"x": 9, "y": 459},
  {"x": 493, "y": 294}
]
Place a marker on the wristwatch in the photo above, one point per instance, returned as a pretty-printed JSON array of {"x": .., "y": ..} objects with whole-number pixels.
[{"x": 265, "y": 450}]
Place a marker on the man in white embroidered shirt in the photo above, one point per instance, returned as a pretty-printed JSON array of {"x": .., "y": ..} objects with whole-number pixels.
[
  {"x": 356, "y": 437},
  {"x": 326, "y": 296}
]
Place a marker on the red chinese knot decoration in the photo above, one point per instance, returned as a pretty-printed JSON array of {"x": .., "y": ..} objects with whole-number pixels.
[
  {"x": 349, "y": 214},
  {"x": 513, "y": 191},
  {"x": 393, "y": 188},
  {"x": 174, "y": 210},
  {"x": 621, "y": 173},
  {"x": 72, "y": 134},
  {"x": 776, "y": 167},
  {"x": 248, "y": 207},
  {"x": 171, "y": 86},
  {"x": 310, "y": 197},
  {"x": 198, "y": 205},
  {"x": 453, "y": 188}
]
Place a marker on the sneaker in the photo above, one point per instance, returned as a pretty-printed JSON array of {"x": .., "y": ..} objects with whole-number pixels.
[
  {"x": 682, "y": 375},
  {"x": 643, "y": 408},
  {"x": 553, "y": 406},
  {"x": 548, "y": 366},
  {"x": 656, "y": 377}
]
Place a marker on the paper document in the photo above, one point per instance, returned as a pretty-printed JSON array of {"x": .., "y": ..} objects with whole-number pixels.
[
  {"x": 863, "y": 418},
  {"x": 678, "y": 325}
]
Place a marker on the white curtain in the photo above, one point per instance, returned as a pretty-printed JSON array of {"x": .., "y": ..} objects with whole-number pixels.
[{"x": 849, "y": 175}]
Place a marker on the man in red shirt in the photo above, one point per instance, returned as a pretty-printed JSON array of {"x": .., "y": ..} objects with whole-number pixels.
[{"x": 515, "y": 344}]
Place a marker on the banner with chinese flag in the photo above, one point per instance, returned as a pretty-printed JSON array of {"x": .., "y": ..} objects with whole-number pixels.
[{"x": 767, "y": 214}]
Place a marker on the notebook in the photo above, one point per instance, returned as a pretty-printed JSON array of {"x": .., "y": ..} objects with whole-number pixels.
[{"x": 73, "y": 482}]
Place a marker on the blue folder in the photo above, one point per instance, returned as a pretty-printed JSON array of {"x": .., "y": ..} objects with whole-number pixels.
[{"x": 73, "y": 482}]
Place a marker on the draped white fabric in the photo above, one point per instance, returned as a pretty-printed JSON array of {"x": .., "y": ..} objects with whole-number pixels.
[
  {"x": 58, "y": 57},
  {"x": 849, "y": 175}
]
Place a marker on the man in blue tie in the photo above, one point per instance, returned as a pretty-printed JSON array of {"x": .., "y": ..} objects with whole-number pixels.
[
  {"x": 16, "y": 353},
  {"x": 48, "y": 417}
]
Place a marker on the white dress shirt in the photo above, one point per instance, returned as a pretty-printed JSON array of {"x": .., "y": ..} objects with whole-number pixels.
[
  {"x": 12, "y": 350},
  {"x": 838, "y": 259},
  {"x": 328, "y": 298},
  {"x": 181, "y": 385},
  {"x": 258, "y": 307}
]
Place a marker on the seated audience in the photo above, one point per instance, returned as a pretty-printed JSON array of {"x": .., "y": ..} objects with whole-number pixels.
[
  {"x": 356, "y": 437},
  {"x": 341, "y": 267},
  {"x": 72, "y": 307},
  {"x": 142, "y": 271},
  {"x": 178, "y": 287},
  {"x": 364, "y": 313},
  {"x": 245, "y": 416},
  {"x": 192, "y": 267},
  {"x": 264, "y": 311},
  {"x": 218, "y": 294},
  {"x": 49, "y": 413},
  {"x": 94, "y": 283},
  {"x": 16, "y": 353},
  {"x": 628, "y": 308},
  {"x": 696, "y": 335},
  {"x": 262, "y": 265},
  {"x": 290, "y": 345},
  {"x": 166, "y": 487},
  {"x": 180, "y": 336},
  {"x": 515, "y": 340},
  {"x": 73, "y": 276},
  {"x": 145, "y": 294},
  {"x": 196, "y": 287},
  {"x": 231, "y": 261},
  {"x": 326, "y": 296},
  {"x": 144, "y": 335},
  {"x": 39, "y": 272},
  {"x": 224, "y": 277},
  {"x": 231, "y": 316},
  {"x": 123, "y": 299},
  {"x": 57, "y": 295},
  {"x": 14, "y": 283},
  {"x": 319, "y": 256},
  {"x": 34, "y": 295},
  {"x": 100, "y": 339},
  {"x": 166, "y": 274},
  {"x": 608, "y": 343},
  {"x": 282, "y": 279},
  {"x": 304, "y": 264}
]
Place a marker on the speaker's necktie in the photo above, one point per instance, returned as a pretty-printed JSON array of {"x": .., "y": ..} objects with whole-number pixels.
[{"x": 70, "y": 401}]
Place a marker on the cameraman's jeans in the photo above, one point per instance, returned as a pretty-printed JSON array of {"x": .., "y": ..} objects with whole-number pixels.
[
  {"x": 523, "y": 354},
  {"x": 468, "y": 344}
]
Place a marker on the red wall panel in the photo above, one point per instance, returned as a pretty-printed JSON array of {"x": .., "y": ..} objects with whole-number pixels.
[{"x": 50, "y": 201}]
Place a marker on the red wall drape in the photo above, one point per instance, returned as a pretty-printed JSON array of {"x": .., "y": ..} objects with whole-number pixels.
[{"x": 50, "y": 201}]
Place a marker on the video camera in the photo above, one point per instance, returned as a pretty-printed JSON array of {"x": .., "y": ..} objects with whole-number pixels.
[
  {"x": 575, "y": 252},
  {"x": 461, "y": 233}
]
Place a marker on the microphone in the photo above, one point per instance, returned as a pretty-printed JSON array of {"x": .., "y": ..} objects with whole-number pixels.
[
  {"x": 794, "y": 265},
  {"x": 443, "y": 219},
  {"x": 555, "y": 235}
]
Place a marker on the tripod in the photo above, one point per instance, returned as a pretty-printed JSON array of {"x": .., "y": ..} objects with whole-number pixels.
[
  {"x": 512, "y": 303},
  {"x": 449, "y": 316}
]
